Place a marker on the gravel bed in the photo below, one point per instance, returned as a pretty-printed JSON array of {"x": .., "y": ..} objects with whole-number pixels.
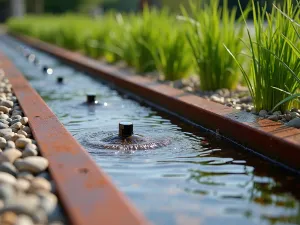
[
  {"x": 27, "y": 192},
  {"x": 238, "y": 99}
]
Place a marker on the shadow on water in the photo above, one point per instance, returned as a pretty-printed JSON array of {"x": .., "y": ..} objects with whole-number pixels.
[{"x": 197, "y": 178}]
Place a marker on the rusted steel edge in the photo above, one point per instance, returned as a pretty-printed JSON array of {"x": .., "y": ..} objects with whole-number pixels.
[
  {"x": 87, "y": 194},
  {"x": 266, "y": 137}
]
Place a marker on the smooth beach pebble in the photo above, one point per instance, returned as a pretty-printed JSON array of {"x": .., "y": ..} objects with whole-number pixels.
[
  {"x": 9, "y": 136},
  {"x": 273, "y": 117},
  {"x": 22, "y": 132},
  {"x": 7, "y": 167},
  {"x": 31, "y": 146},
  {"x": 3, "y": 132},
  {"x": 7, "y": 178},
  {"x": 33, "y": 164},
  {"x": 15, "y": 127},
  {"x": 2, "y": 143},
  {"x": 24, "y": 220},
  {"x": 10, "y": 144},
  {"x": 22, "y": 142},
  {"x": 29, "y": 152},
  {"x": 40, "y": 183},
  {"x": 7, "y": 103},
  {"x": 24, "y": 120},
  {"x": 48, "y": 201},
  {"x": 294, "y": 123},
  {"x": 22, "y": 184},
  {"x": 17, "y": 136},
  {"x": 4, "y": 109},
  {"x": 12, "y": 154},
  {"x": 28, "y": 202},
  {"x": 263, "y": 113}
]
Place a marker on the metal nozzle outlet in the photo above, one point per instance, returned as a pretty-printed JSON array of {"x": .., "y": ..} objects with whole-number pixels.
[
  {"x": 60, "y": 80},
  {"x": 45, "y": 68},
  {"x": 125, "y": 129},
  {"x": 91, "y": 98}
]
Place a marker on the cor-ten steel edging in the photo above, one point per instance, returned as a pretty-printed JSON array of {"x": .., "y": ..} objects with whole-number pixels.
[
  {"x": 87, "y": 194},
  {"x": 269, "y": 138}
]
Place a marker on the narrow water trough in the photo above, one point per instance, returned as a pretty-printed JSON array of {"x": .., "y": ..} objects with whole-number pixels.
[{"x": 195, "y": 178}]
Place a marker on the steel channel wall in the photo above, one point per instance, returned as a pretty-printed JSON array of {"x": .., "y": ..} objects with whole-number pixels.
[
  {"x": 87, "y": 194},
  {"x": 271, "y": 139}
]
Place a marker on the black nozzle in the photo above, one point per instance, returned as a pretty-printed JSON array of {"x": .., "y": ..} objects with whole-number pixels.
[
  {"x": 45, "y": 68},
  {"x": 60, "y": 80},
  {"x": 125, "y": 129},
  {"x": 91, "y": 98}
]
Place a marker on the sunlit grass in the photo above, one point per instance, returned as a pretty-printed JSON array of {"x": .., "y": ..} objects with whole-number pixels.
[
  {"x": 210, "y": 28},
  {"x": 274, "y": 61}
]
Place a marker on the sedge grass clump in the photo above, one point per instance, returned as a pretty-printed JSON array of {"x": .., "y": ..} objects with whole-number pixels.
[
  {"x": 274, "y": 59},
  {"x": 210, "y": 28},
  {"x": 173, "y": 56},
  {"x": 146, "y": 36},
  {"x": 293, "y": 98}
]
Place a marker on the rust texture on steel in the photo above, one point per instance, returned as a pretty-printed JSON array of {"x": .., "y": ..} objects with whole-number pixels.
[
  {"x": 269, "y": 138},
  {"x": 88, "y": 195}
]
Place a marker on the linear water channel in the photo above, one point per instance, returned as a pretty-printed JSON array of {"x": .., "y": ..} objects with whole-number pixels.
[{"x": 196, "y": 179}]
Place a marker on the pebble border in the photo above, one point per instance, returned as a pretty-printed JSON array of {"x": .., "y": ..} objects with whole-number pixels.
[{"x": 27, "y": 192}]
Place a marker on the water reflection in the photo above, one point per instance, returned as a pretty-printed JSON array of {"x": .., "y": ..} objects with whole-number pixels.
[{"x": 197, "y": 179}]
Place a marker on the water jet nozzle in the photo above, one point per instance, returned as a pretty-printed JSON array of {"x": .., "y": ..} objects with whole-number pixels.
[
  {"x": 125, "y": 129},
  {"x": 91, "y": 98},
  {"x": 60, "y": 80}
]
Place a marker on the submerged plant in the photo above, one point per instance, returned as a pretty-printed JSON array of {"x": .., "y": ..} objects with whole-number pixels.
[
  {"x": 210, "y": 28},
  {"x": 274, "y": 59}
]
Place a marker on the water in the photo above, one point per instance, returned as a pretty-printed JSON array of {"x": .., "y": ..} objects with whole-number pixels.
[{"x": 196, "y": 179}]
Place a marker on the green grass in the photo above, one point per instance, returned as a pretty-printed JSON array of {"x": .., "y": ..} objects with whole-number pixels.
[
  {"x": 210, "y": 28},
  {"x": 293, "y": 98},
  {"x": 150, "y": 41},
  {"x": 274, "y": 61}
]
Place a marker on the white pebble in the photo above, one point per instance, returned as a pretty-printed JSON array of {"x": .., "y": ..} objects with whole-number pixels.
[
  {"x": 24, "y": 120},
  {"x": 7, "y": 178},
  {"x": 22, "y": 142},
  {"x": 33, "y": 164},
  {"x": 11, "y": 154}
]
